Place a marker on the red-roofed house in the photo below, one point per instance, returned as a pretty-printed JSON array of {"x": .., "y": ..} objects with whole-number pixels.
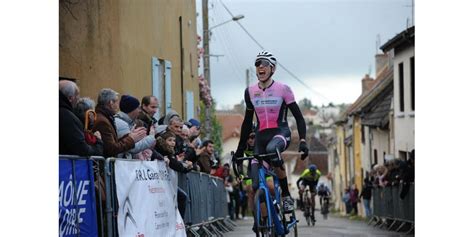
[{"x": 231, "y": 123}]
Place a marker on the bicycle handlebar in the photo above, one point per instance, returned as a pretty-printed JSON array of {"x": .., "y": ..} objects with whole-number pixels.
[{"x": 258, "y": 157}]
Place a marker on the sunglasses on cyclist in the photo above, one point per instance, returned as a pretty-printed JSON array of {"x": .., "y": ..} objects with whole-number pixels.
[{"x": 262, "y": 62}]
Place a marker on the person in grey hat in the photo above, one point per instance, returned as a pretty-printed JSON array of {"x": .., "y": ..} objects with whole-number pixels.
[
  {"x": 169, "y": 116},
  {"x": 107, "y": 107}
]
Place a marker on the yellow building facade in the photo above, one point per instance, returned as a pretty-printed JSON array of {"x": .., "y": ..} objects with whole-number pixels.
[
  {"x": 134, "y": 47},
  {"x": 340, "y": 174},
  {"x": 347, "y": 171},
  {"x": 357, "y": 144}
]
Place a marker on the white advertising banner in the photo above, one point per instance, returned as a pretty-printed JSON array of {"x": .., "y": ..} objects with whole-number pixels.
[{"x": 146, "y": 200}]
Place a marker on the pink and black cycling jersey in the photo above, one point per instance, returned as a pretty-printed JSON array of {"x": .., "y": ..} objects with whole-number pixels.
[{"x": 270, "y": 104}]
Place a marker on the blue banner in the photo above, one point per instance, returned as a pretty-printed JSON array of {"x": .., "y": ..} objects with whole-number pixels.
[{"x": 77, "y": 210}]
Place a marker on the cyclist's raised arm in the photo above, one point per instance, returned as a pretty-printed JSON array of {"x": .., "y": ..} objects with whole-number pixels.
[
  {"x": 246, "y": 128},
  {"x": 295, "y": 110}
]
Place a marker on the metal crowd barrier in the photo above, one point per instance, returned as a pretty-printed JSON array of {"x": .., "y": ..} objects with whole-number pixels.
[
  {"x": 390, "y": 211},
  {"x": 111, "y": 202},
  {"x": 183, "y": 183},
  {"x": 97, "y": 163},
  {"x": 206, "y": 209},
  {"x": 207, "y": 197}
]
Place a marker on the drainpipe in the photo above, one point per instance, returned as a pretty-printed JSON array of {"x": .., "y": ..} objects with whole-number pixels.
[{"x": 370, "y": 147}]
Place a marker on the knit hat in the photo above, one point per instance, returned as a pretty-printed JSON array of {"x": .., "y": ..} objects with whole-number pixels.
[
  {"x": 194, "y": 122},
  {"x": 171, "y": 114},
  {"x": 128, "y": 103}
]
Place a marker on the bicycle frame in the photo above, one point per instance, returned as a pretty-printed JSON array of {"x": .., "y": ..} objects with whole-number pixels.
[
  {"x": 271, "y": 212},
  {"x": 307, "y": 195}
]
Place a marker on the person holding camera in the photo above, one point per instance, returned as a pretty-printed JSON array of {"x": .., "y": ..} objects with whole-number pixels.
[{"x": 205, "y": 160}]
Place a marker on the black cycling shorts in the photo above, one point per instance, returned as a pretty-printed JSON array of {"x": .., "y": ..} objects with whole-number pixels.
[
  {"x": 268, "y": 140},
  {"x": 311, "y": 184}
]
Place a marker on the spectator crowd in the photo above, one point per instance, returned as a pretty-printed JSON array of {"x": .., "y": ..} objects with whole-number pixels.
[
  {"x": 393, "y": 172},
  {"x": 123, "y": 127}
]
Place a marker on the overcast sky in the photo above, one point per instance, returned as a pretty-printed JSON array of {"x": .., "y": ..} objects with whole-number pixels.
[{"x": 328, "y": 44}]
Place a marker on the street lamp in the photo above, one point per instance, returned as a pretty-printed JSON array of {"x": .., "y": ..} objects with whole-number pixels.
[
  {"x": 206, "y": 63},
  {"x": 235, "y": 18},
  {"x": 207, "y": 32}
]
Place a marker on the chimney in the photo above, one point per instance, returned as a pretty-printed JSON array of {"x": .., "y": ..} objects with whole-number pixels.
[
  {"x": 381, "y": 60},
  {"x": 366, "y": 83}
]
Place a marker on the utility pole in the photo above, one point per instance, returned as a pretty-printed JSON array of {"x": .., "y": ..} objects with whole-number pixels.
[
  {"x": 207, "y": 63},
  {"x": 247, "y": 79},
  {"x": 205, "y": 25},
  {"x": 207, "y": 74}
]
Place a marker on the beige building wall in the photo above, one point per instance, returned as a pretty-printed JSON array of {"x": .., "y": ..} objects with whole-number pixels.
[
  {"x": 333, "y": 167},
  {"x": 292, "y": 178},
  {"x": 404, "y": 121},
  {"x": 366, "y": 149},
  {"x": 375, "y": 139},
  {"x": 228, "y": 146},
  {"x": 109, "y": 43},
  {"x": 343, "y": 162},
  {"x": 357, "y": 149},
  {"x": 380, "y": 142},
  {"x": 337, "y": 189}
]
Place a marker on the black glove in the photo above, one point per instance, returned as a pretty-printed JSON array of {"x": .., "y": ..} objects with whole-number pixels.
[
  {"x": 238, "y": 154},
  {"x": 278, "y": 163},
  {"x": 304, "y": 149}
]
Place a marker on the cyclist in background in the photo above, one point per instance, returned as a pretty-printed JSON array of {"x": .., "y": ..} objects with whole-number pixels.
[
  {"x": 248, "y": 182},
  {"x": 270, "y": 101},
  {"x": 309, "y": 177},
  {"x": 323, "y": 192}
]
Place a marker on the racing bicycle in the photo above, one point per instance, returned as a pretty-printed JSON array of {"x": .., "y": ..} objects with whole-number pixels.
[
  {"x": 270, "y": 219},
  {"x": 307, "y": 207}
]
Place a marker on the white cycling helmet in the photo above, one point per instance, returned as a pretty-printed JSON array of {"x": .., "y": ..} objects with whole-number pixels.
[{"x": 268, "y": 56}]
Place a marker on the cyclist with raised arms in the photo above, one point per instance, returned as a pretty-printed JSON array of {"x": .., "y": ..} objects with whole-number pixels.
[
  {"x": 309, "y": 177},
  {"x": 270, "y": 101}
]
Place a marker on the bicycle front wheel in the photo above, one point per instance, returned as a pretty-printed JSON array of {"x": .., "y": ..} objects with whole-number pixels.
[
  {"x": 325, "y": 210},
  {"x": 261, "y": 220},
  {"x": 307, "y": 209},
  {"x": 288, "y": 218}
]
